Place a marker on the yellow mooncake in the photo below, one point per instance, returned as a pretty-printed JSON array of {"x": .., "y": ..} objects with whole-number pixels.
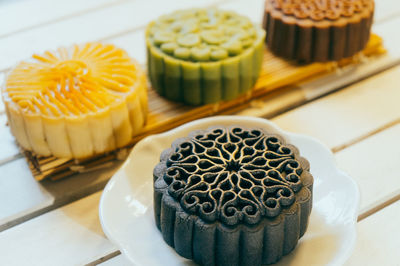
[{"x": 76, "y": 102}]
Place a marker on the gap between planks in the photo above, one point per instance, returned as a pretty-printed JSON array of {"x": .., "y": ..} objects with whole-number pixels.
[
  {"x": 365, "y": 136},
  {"x": 389, "y": 200},
  {"x": 104, "y": 258}
]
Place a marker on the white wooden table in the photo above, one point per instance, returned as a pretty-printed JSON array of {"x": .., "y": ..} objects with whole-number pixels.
[{"x": 57, "y": 223}]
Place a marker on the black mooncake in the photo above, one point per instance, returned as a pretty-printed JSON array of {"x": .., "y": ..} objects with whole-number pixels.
[{"x": 232, "y": 196}]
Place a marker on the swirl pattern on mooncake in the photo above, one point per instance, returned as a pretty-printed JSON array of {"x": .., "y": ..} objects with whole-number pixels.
[
  {"x": 319, "y": 10},
  {"x": 72, "y": 81},
  {"x": 233, "y": 175},
  {"x": 232, "y": 196},
  {"x": 76, "y": 102}
]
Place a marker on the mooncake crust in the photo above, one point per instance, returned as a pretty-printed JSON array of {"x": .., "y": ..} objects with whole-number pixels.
[
  {"x": 309, "y": 32},
  {"x": 220, "y": 241},
  {"x": 76, "y": 102},
  {"x": 203, "y": 63}
]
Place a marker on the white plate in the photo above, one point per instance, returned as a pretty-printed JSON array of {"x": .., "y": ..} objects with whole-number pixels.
[{"x": 126, "y": 206}]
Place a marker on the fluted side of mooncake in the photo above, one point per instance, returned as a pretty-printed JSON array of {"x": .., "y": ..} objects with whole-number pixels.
[
  {"x": 310, "y": 32},
  {"x": 204, "y": 228},
  {"x": 76, "y": 102},
  {"x": 196, "y": 64}
]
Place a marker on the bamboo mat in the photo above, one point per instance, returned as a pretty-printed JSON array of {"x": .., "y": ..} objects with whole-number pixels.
[{"x": 275, "y": 74}]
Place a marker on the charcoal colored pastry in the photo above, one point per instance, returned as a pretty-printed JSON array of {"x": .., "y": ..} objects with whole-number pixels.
[
  {"x": 317, "y": 31},
  {"x": 201, "y": 56},
  {"x": 232, "y": 196},
  {"x": 76, "y": 102}
]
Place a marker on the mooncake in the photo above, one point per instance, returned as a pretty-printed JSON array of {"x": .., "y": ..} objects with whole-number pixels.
[
  {"x": 76, "y": 102},
  {"x": 232, "y": 196},
  {"x": 201, "y": 56},
  {"x": 317, "y": 31}
]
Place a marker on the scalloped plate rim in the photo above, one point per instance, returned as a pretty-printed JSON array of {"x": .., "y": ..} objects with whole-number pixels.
[{"x": 238, "y": 119}]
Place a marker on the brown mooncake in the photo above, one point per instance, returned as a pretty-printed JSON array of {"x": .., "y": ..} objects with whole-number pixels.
[
  {"x": 232, "y": 196},
  {"x": 317, "y": 31}
]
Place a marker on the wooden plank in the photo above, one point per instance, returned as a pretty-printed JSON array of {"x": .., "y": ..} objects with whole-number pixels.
[
  {"x": 343, "y": 116},
  {"x": 285, "y": 99},
  {"x": 378, "y": 239},
  {"x": 373, "y": 163},
  {"x": 25, "y": 15},
  {"x": 386, "y": 30},
  {"x": 66, "y": 236},
  {"x": 24, "y": 198},
  {"x": 386, "y": 10},
  {"x": 117, "y": 260},
  {"x": 347, "y": 75},
  {"x": 20, "y": 194},
  {"x": 97, "y": 25}
]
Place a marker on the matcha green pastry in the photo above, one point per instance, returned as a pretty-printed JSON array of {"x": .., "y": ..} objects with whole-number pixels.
[{"x": 201, "y": 56}]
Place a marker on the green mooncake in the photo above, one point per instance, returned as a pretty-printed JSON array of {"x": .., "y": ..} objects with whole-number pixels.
[{"x": 201, "y": 56}]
